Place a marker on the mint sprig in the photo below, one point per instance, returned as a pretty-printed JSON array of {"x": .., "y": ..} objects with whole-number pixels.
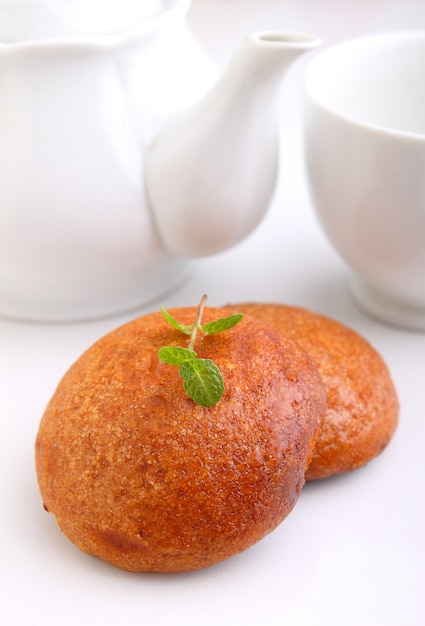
[{"x": 202, "y": 379}]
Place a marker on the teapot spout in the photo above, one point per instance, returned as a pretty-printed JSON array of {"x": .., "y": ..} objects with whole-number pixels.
[{"x": 212, "y": 170}]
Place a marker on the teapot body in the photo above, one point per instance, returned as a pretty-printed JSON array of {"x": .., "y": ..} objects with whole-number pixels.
[
  {"x": 77, "y": 117},
  {"x": 122, "y": 154}
]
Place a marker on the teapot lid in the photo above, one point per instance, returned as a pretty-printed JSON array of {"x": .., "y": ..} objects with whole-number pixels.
[{"x": 21, "y": 20}]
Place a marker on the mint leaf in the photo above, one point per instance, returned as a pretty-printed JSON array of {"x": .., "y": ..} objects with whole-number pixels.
[
  {"x": 202, "y": 381},
  {"x": 202, "y": 378},
  {"x": 175, "y": 355},
  {"x": 174, "y": 323},
  {"x": 222, "y": 324}
]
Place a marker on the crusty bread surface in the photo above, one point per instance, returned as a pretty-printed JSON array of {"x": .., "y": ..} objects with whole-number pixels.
[
  {"x": 140, "y": 476},
  {"x": 362, "y": 403}
]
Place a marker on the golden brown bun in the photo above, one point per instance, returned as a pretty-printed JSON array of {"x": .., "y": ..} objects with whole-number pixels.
[
  {"x": 140, "y": 476},
  {"x": 362, "y": 404}
]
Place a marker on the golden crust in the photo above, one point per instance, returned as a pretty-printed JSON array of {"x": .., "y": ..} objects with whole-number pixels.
[
  {"x": 362, "y": 404},
  {"x": 141, "y": 477}
]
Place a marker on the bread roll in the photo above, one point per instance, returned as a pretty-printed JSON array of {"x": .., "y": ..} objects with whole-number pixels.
[
  {"x": 140, "y": 476},
  {"x": 362, "y": 404}
]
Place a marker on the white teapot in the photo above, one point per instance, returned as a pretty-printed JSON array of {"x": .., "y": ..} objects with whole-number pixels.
[{"x": 121, "y": 153}]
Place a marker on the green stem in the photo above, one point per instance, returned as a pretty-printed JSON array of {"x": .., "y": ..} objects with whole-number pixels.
[{"x": 197, "y": 323}]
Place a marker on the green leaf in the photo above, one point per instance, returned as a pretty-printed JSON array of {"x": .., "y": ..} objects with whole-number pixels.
[
  {"x": 174, "y": 323},
  {"x": 175, "y": 355},
  {"x": 202, "y": 381},
  {"x": 222, "y": 324}
]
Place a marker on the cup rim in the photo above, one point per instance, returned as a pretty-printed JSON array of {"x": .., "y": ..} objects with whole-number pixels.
[{"x": 322, "y": 57}]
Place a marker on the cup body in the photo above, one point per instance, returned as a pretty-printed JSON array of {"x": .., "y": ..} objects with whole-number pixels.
[{"x": 364, "y": 141}]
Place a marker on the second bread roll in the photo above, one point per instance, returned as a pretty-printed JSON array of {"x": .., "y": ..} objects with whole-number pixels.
[{"x": 362, "y": 404}]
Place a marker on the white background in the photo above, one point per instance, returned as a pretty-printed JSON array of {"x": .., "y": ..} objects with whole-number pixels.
[{"x": 352, "y": 552}]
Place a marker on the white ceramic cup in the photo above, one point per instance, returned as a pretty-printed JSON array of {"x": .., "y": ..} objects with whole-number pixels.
[{"x": 364, "y": 142}]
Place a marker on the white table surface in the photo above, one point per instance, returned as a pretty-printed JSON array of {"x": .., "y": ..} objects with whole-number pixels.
[{"x": 352, "y": 552}]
